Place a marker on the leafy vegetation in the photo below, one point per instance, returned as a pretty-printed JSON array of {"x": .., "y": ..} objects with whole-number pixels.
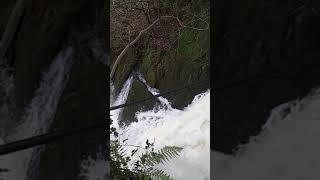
[{"x": 143, "y": 168}]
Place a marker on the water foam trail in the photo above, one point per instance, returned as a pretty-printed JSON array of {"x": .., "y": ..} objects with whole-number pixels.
[
  {"x": 188, "y": 128},
  {"x": 37, "y": 118},
  {"x": 164, "y": 102},
  {"x": 288, "y": 150}
]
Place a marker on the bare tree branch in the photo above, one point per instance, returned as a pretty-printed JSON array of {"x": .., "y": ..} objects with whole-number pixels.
[
  {"x": 127, "y": 47},
  {"x": 190, "y": 27},
  {"x": 141, "y": 33}
]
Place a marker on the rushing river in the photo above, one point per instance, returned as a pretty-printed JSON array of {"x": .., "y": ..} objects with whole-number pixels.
[
  {"x": 188, "y": 128},
  {"x": 287, "y": 149}
]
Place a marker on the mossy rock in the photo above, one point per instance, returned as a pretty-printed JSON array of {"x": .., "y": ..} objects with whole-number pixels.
[
  {"x": 149, "y": 61},
  {"x": 187, "y": 63},
  {"x": 124, "y": 69},
  {"x": 138, "y": 91}
]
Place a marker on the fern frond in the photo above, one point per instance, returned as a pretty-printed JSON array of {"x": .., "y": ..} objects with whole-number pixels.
[
  {"x": 165, "y": 154},
  {"x": 122, "y": 151},
  {"x": 157, "y": 174}
]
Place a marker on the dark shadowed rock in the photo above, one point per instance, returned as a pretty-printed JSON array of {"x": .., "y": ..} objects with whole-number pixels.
[
  {"x": 137, "y": 92},
  {"x": 45, "y": 28},
  {"x": 266, "y": 37},
  {"x": 83, "y": 103}
]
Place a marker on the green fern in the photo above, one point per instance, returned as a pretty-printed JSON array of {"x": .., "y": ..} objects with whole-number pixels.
[
  {"x": 144, "y": 167},
  {"x": 165, "y": 154},
  {"x": 150, "y": 159},
  {"x": 157, "y": 174}
]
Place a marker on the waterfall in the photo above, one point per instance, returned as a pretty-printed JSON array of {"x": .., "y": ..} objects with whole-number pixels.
[
  {"x": 37, "y": 118},
  {"x": 188, "y": 128},
  {"x": 164, "y": 102},
  {"x": 121, "y": 99},
  {"x": 287, "y": 148}
]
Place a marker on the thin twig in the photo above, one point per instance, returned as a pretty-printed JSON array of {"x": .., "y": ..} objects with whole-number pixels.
[
  {"x": 128, "y": 46},
  {"x": 132, "y": 146}
]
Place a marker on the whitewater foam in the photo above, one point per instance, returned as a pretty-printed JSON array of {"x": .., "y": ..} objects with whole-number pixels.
[
  {"x": 287, "y": 149},
  {"x": 121, "y": 99},
  {"x": 188, "y": 128}
]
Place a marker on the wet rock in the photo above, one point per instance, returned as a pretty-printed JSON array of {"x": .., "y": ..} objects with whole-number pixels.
[
  {"x": 84, "y": 102},
  {"x": 266, "y": 37},
  {"x": 170, "y": 56},
  {"x": 40, "y": 34},
  {"x": 137, "y": 92},
  {"x": 45, "y": 28}
]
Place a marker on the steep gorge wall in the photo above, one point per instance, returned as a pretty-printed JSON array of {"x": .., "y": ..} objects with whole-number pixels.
[
  {"x": 169, "y": 56},
  {"x": 45, "y": 28},
  {"x": 260, "y": 37},
  {"x": 83, "y": 103}
]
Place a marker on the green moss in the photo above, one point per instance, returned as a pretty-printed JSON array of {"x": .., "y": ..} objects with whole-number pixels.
[
  {"x": 187, "y": 61},
  {"x": 151, "y": 77},
  {"x": 199, "y": 5},
  {"x": 124, "y": 68},
  {"x": 149, "y": 57},
  {"x": 167, "y": 5},
  {"x": 192, "y": 44}
]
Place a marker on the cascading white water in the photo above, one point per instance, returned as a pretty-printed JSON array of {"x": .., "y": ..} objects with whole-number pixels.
[
  {"x": 188, "y": 128},
  {"x": 37, "y": 118},
  {"x": 287, "y": 149},
  {"x": 121, "y": 99},
  {"x": 164, "y": 102}
]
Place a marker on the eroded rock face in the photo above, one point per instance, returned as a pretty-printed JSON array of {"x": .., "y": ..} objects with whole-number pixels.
[
  {"x": 5, "y": 10},
  {"x": 42, "y": 30},
  {"x": 45, "y": 28},
  {"x": 265, "y": 37},
  {"x": 84, "y": 102}
]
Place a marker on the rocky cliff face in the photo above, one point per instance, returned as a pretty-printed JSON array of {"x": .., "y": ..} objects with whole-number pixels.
[
  {"x": 44, "y": 29},
  {"x": 169, "y": 56},
  {"x": 260, "y": 37},
  {"x": 83, "y": 103}
]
